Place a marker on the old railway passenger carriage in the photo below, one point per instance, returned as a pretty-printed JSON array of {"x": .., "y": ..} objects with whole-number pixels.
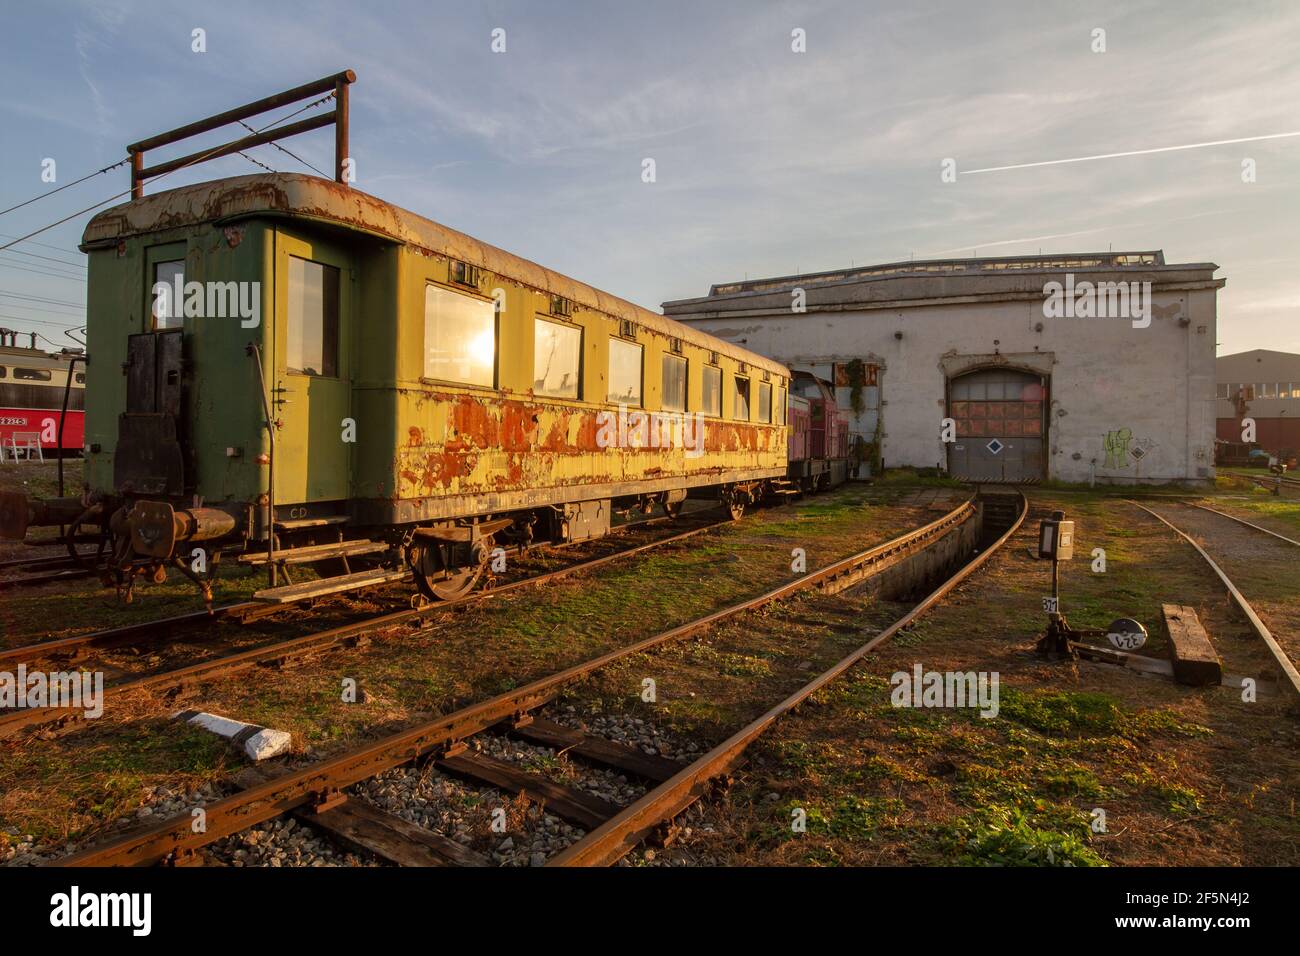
[{"x": 429, "y": 396}]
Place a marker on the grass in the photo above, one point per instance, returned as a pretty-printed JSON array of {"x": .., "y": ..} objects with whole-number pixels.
[
  {"x": 458, "y": 658},
  {"x": 1084, "y": 765}
]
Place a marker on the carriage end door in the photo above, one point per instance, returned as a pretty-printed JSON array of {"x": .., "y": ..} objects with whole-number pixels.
[{"x": 312, "y": 387}]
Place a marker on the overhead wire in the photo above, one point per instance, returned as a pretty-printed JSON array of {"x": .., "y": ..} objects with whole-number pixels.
[{"x": 197, "y": 159}]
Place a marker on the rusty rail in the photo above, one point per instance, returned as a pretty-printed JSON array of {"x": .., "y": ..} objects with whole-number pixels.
[
  {"x": 15, "y": 720},
  {"x": 613, "y": 839},
  {"x": 1258, "y": 626},
  {"x": 243, "y": 611},
  {"x": 173, "y": 840},
  {"x": 1224, "y": 514}
]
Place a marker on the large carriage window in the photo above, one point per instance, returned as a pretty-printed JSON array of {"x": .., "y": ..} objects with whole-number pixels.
[
  {"x": 460, "y": 338},
  {"x": 740, "y": 400},
  {"x": 711, "y": 403},
  {"x": 33, "y": 374},
  {"x": 624, "y": 372},
  {"x": 764, "y": 402},
  {"x": 780, "y": 406},
  {"x": 168, "y": 307},
  {"x": 313, "y": 318},
  {"x": 674, "y": 399},
  {"x": 557, "y": 359}
]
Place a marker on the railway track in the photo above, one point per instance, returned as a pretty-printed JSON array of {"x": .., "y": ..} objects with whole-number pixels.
[
  {"x": 1282, "y": 484},
  {"x": 350, "y": 633},
  {"x": 315, "y": 794},
  {"x": 1248, "y": 524},
  {"x": 1287, "y": 667},
  {"x": 75, "y": 648},
  {"x": 45, "y": 570}
]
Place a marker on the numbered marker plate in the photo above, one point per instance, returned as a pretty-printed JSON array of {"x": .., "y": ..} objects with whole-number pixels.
[{"x": 1126, "y": 634}]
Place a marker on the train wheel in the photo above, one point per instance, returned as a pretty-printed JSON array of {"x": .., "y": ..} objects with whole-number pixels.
[
  {"x": 736, "y": 506},
  {"x": 439, "y": 575},
  {"x": 674, "y": 509}
]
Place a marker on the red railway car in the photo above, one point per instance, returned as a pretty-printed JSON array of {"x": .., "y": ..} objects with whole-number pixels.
[
  {"x": 32, "y": 385},
  {"x": 819, "y": 435}
]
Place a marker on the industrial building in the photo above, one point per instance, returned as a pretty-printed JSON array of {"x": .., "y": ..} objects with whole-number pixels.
[
  {"x": 1083, "y": 367},
  {"x": 1264, "y": 386}
]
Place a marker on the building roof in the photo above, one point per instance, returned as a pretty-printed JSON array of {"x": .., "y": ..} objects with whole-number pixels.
[
  {"x": 312, "y": 198},
  {"x": 940, "y": 281},
  {"x": 1040, "y": 263},
  {"x": 1266, "y": 362}
]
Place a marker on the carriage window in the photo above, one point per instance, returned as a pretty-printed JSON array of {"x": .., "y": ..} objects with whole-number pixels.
[
  {"x": 740, "y": 400},
  {"x": 712, "y": 398},
  {"x": 313, "y": 318},
  {"x": 33, "y": 374},
  {"x": 624, "y": 372},
  {"x": 764, "y": 402},
  {"x": 557, "y": 359},
  {"x": 168, "y": 311},
  {"x": 780, "y": 406},
  {"x": 460, "y": 338},
  {"x": 80, "y": 378},
  {"x": 674, "y": 399},
  {"x": 3, "y": 371}
]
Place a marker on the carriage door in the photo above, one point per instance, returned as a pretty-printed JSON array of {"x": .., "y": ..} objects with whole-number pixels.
[
  {"x": 1000, "y": 426},
  {"x": 312, "y": 390}
]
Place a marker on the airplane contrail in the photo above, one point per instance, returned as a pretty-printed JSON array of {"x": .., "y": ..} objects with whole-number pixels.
[{"x": 1132, "y": 152}]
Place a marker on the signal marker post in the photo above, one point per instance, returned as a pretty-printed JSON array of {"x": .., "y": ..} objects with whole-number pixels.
[{"x": 1055, "y": 543}]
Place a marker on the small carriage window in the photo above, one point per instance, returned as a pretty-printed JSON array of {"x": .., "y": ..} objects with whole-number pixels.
[
  {"x": 3, "y": 371},
  {"x": 764, "y": 402},
  {"x": 557, "y": 359},
  {"x": 168, "y": 305},
  {"x": 712, "y": 398},
  {"x": 33, "y": 374},
  {"x": 740, "y": 400},
  {"x": 674, "y": 399},
  {"x": 313, "y": 318},
  {"x": 460, "y": 338},
  {"x": 624, "y": 372},
  {"x": 780, "y": 406},
  {"x": 80, "y": 378}
]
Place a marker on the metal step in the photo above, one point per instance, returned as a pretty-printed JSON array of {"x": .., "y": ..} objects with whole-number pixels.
[
  {"x": 316, "y": 552},
  {"x": 346, "y": 582}
]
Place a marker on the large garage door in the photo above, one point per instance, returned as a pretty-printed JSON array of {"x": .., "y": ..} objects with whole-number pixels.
[{"x": 1000, "y": 426}]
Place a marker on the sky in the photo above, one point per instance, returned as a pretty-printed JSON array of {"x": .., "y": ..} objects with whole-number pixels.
[{"x": 767, "y": 161}]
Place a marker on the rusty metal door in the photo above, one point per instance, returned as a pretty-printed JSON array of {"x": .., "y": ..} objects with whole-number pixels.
[
  {"x": 148, "y": 457},
  {"x": 1001, "y": 425}
]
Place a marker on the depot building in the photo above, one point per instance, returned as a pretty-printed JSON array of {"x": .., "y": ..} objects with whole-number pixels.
[{"x": 1079, "y": 368}]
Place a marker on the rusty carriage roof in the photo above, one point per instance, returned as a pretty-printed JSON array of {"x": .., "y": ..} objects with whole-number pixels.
[{"x": 313, "y": 198}]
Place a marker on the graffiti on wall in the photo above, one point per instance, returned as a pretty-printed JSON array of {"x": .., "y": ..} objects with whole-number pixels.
[{"x": 1120, "y": 445}]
